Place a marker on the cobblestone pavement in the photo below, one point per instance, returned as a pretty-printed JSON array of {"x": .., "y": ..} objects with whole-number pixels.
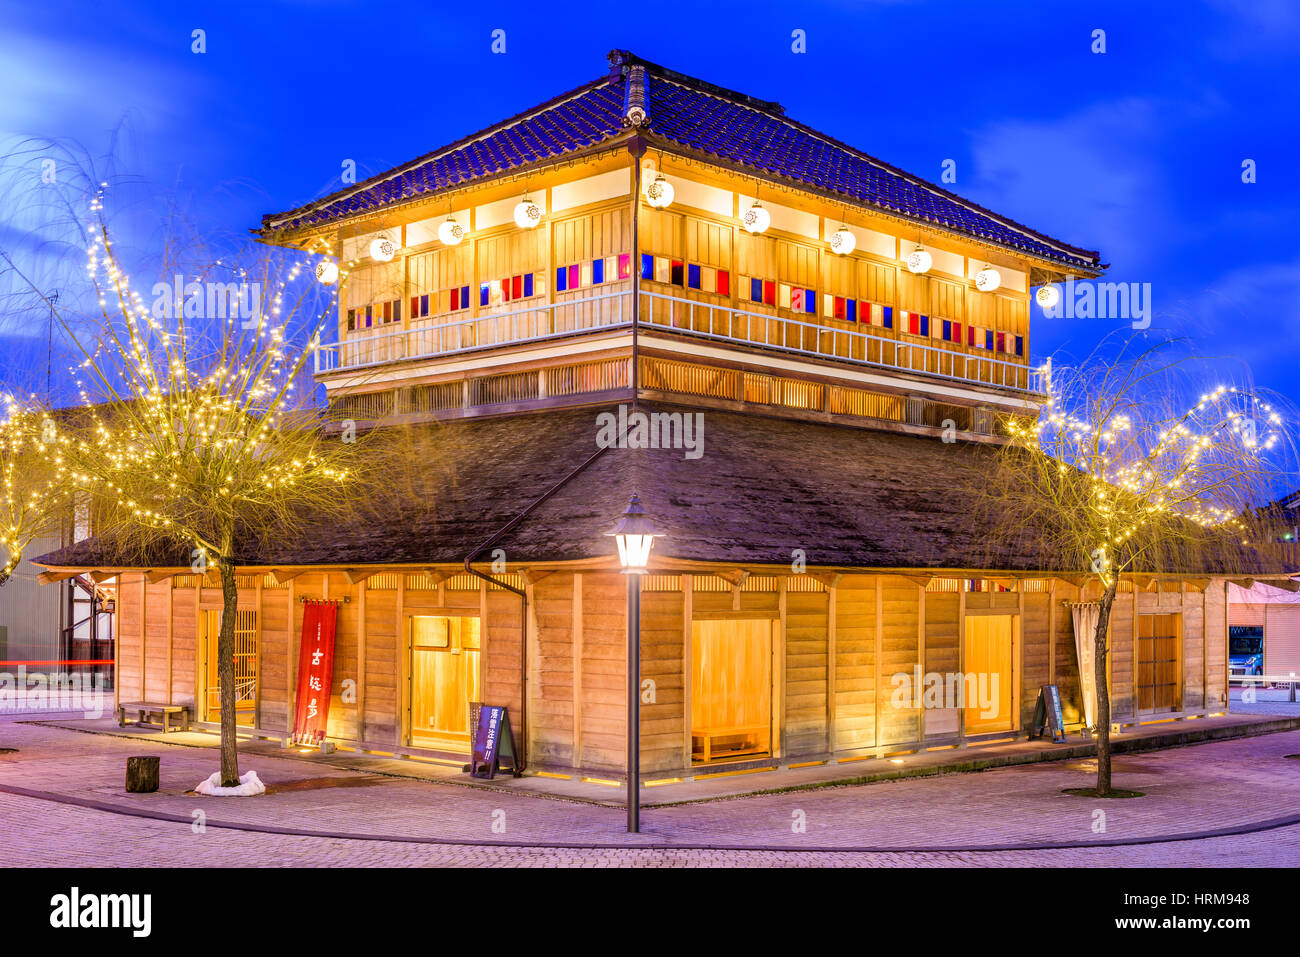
[
  {"x": 56, "y": 835},
  {"x": 1228, "y": 784}
]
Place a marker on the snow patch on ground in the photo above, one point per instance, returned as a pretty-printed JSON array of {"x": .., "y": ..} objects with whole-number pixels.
[{"x": 249, "y": 784}]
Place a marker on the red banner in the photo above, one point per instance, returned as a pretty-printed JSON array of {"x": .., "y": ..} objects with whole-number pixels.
[{"x": 315, "y": 672}]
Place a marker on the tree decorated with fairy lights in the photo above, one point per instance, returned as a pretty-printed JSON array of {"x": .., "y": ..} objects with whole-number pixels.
[
  {"x": 1115, "y": 478},
  {"x": 196, "y": 437},
  {"x": 33, "y": 500}
]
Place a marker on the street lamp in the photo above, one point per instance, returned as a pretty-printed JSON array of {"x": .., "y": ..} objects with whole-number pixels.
[{"x": 635, "y": 534}]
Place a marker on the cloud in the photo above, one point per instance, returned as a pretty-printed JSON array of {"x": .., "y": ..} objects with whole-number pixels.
[{"x": 1089, "y": 178}]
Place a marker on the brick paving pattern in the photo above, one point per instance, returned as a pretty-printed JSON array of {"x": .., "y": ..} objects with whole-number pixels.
[{"x": 1192, "y": 789}]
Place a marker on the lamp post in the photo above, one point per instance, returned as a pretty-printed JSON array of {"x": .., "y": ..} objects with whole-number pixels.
[{"x": 635, "y": 534}]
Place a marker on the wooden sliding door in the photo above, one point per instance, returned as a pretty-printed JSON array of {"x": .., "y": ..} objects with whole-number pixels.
[
  {"x": 444, "y": 679},
  {"x": 989, "y": 682},
  {"x": 731, "y": 690}
]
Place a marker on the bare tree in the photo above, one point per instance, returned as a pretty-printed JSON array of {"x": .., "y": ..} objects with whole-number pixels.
[
  {"x": 33, "y": 500},
  {"x": 197, "y": 439},
  {"x": 1127, "y": 471}
]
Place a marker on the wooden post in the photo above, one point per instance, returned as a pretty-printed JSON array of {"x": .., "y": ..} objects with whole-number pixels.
[
  {"x": 577, "y": 669},
  {"x": 1051, "y": 631},
  {"x": 144, "y": 637},
  {"x": 361, "y": 658},
  {"x": 291, "y": 670},
  {"x": 961, "y": 656},
  {"x": 920, "y": 660},
  {"x": 1134, "y": 660},
  {"x": 831, "y": 736},
  {"x": 778, "y": 667},
  {"x": 688, "y": 665},
  {"x": 257, "y": 652},
  {"x": 1018, "y": 679},
  {"x": 879, "y": 652},
  {"x": 170, "y": 636}
]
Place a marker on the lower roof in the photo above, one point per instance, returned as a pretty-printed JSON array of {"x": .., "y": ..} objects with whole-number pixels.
[{"x": 761, "y": 491}]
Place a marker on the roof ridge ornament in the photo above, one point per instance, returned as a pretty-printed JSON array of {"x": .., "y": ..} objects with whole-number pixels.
[{"x": 635, "y": 111}]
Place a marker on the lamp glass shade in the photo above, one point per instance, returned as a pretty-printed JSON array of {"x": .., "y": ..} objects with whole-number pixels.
[
  {"x": 382, "y": 249},
  {"x": 919, "y": 261},
  {"x": 327, "y": 273},
  {"x": 756, "y": 219},
  {"x": 634, "y": 551},
  {"x": 1048, "y": 296},
  {"x": 843, "y": 241},
  {"x": 659, "y": 193},
  {"x": 635, "y": 534},
  {"x": 450, "y": 232},
  {"x": 988, "y": 279},
  {"x": 527, "y": 214}
]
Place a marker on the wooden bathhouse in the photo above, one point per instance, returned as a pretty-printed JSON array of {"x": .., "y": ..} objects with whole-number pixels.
[{"x": 823, "y": 349}]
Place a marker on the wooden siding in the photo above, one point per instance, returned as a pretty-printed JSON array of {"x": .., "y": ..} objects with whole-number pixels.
[{"x": 836, "y": 651}]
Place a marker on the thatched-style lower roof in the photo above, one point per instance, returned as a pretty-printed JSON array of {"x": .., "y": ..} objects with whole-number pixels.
[{"x": 762, "y": 490}]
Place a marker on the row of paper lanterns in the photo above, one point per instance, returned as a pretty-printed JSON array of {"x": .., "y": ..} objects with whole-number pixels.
[
  {"x": 756, "y": 219},
  {"x": 527, "y": 214},
  {"x": 660, "y": 194}
]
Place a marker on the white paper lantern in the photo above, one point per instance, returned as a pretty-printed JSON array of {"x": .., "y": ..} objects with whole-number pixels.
[
  {"x": 988, "y": 279},
  {"x": 919, "y": 261},
  {"x": 527, "y": 214},
  {"x": 1048, "y": 296},
  {"x": 382, "y": 249},
  {"x": 843, "y": 241},
  {"x": 659, "y": 193},
  {"x": 327, "y": 272},
  {"x": 450, "y": 232},
  {"x": 756, "y": 219}
]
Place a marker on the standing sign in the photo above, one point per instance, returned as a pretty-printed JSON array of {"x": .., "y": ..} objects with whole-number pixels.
[
  {"x": 494, "y": 745},
  {"x": 1047, "y": 714},
  {"x": 315, "y": 672}
]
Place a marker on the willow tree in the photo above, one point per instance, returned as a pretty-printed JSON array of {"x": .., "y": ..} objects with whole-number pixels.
[
  {"x": 33, "y": 499},
  {"x": 1117, "y": 475},
  {"x": 197, "y": 439}
]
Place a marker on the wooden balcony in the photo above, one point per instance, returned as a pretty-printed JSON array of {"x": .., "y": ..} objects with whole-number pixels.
[{"x": 851, "y": 344}]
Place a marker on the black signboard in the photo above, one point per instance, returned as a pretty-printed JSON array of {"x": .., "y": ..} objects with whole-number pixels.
[
  {"x": 1047, "y": 714},
  {"x": 494, "y": 745}
]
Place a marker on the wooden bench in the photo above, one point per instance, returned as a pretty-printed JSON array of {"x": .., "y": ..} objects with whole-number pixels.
[
  {"x": 146, "y": 709},
  {"x": 709, "y": 735}
]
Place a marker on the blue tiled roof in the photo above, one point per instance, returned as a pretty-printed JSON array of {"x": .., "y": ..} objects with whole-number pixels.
[{"x": 699, "y": 117}]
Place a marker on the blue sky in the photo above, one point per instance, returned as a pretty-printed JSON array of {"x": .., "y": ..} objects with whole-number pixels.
[{"x": 1136, "y": 152}]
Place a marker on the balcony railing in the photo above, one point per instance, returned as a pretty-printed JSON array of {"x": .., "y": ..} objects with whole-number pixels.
[
  {"x": 531, "y": 324},
  {"x": 842, "y": 342}
]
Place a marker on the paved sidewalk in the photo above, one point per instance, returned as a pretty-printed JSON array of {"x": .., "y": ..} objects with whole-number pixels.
[{"x": 1240, "y": 783}]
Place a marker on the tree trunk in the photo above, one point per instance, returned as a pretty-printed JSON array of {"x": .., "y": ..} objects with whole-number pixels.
[
  {"x": 226, "y": 674},
  {"x": 1103, "y": 689}
]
